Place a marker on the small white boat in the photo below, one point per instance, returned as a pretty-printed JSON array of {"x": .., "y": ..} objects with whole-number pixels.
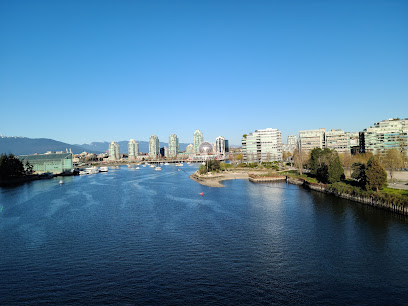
[
  {"x": 166, "y": 164},
  {"x": 137, "y": 168},
  {"x": 151, "y": 166},
  {"x": 83, "y": 173},
  {"x": 103, "y": 169},
  {"x": 158, "y": 169},
  {"x": 188, "y": 163},
  {"x": 143, "y": 165},
  {"x": 61, "y": 182},
  {"x": 179, "y": 165},
  {"x": 92, "y": 170}
]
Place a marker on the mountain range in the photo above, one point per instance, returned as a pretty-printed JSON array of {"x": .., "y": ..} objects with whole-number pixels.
[{"x": 25, "y": 146}]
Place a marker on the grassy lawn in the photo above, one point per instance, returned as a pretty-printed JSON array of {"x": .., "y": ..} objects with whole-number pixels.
[{"x": 387, "y": 190}]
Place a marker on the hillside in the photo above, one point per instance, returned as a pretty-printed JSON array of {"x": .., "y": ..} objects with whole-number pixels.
[{"x": 23, "y": 146}]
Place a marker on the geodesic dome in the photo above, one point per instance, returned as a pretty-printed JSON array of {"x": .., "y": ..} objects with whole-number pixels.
[{"x": 205, "y": 148}]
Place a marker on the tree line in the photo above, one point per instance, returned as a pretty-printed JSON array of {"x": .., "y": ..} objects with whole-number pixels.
[
  {"x": 325, "y": 165},
  {"x": 12, "y": 167}
]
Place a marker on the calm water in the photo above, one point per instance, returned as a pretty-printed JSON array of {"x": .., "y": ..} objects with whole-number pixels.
[{"x": 149, "y": 237}]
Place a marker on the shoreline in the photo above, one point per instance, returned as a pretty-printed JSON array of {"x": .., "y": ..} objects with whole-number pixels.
[{"x": 215, "y": 180}]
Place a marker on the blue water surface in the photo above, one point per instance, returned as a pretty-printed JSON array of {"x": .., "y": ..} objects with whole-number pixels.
[{"x": 148, "y": 237}]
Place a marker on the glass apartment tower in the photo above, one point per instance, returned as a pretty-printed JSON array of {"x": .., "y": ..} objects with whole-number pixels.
[
  {"x": 114, "y": 151},
  {"x": 154, "y": 147},
  {"x": 198, "y": 139},
  {"x": 133, "y": 149},
  {"x": 173, "y": 146}
]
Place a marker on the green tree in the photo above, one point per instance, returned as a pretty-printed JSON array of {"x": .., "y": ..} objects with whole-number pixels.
[
  {"x": 326, "y": 166},
  {"x": 359, "y": 173},
  {"x": 393, "y": 161},
  {"x": 375, "y": 174},
  {"x": 10, "y": 166}
]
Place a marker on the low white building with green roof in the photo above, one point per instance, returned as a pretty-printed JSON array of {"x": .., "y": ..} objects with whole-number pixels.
[{"x": 56, "y": 163}]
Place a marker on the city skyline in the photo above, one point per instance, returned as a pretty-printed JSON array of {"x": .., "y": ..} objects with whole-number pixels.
[{"x": 295, "y": 66}]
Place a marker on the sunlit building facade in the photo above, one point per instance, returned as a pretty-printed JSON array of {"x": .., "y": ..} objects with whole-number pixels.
[
  {"x": 338, "y": 140},
  {"x": 114, "y": 151},
  {"x": 173, "y": 146},
  {"x": 198, "y": 139},
  {"x": 133, "y": 149},
  {"x": 154, "y": 147},
  {"x": 384, "y": 135},
  {"x": 310, "y": 139},
  {"x": 262, "y": 146}
]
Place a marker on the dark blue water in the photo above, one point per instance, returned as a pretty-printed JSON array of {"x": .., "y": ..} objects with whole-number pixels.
[{"x": 149, "y": 237}]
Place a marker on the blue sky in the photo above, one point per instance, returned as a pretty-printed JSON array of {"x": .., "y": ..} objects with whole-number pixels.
[{"x": 82, "y": 71}]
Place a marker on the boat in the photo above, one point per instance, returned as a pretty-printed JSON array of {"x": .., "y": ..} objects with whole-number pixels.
[
  {"x": 188, "y": 163},
  {"x": 103, "y": 169},
  {"x": 166, "y": 164},
  {"x": 61, "y": 182},
  {"x": 158, "y": 169},
  {"x": 179, "y": 165},
  {"x": 83, "y": 172},
  {"x": 92, "y": 170},
  {"x": 115, "y": 167},
  {"x": 137, "y": 168},
  {"x": 151, "y": 166},
  {"x": 143, "y": 165}
]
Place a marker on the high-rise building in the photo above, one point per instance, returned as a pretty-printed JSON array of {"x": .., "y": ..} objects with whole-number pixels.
[
  {"x": 154, "y": 147},
  {"x": 384, "y": 135},
  {"x": 227, "y": 149},
  {"x": 310, "y": 139},
  {"x": 190, "y": 149},
  {"x": 133, "y": 149},
  {"x": 198, "y": 139},
  {"x": 262, "y": 146},
  {"x": 114, "y": 151},
  {"x": 292, "y": 140},
  {"x": 173, "y": 145},
  {"x": 338, "y": 140},
  {"x": 220, "y": 146},
  {"x": 291, "y": 145}
]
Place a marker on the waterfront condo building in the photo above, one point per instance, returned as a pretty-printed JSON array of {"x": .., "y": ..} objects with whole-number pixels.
[
  {"x": 310, "y": 139},
  {"x": 262, "y": 146},
  {"x": 114, "y": 151},
  {"x": 221, "y": 146},
  {"x": 133, "y": 149},
  {"x": 190, "y": 149},
  {"x": 338, "y": 140},
  {"x": 173, "y": 146},
  {"x": 154, "y": 147},
  {"x": 384, "y": 135},
  {"x": 198, "y": 139}
]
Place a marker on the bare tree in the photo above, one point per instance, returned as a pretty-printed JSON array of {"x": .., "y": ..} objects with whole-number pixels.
[
  {"x": 393, "y": 161},
  {"x": 300, "y": 159}
]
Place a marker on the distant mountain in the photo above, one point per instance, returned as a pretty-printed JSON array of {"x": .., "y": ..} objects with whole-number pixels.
[
  {"x": 23, "y": 146},
  {"x": 143, "y": 146}
]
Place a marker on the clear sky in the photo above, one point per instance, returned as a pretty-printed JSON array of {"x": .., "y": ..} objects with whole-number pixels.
[{"x": 82, "y": 71}]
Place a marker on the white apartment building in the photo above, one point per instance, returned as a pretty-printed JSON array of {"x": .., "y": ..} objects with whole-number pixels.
[
  {"x": 220, "y": 146},
  {"x": 114, "y": 151},
  {"x": 154, "y": 147},
  {"x": 310, "y": 139},
  {"x": 338, "y": 140},
  {"x": 133, "y": 150},
  {"x": 262, "y": 146},
  {"x": 173, "y": 145}
]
